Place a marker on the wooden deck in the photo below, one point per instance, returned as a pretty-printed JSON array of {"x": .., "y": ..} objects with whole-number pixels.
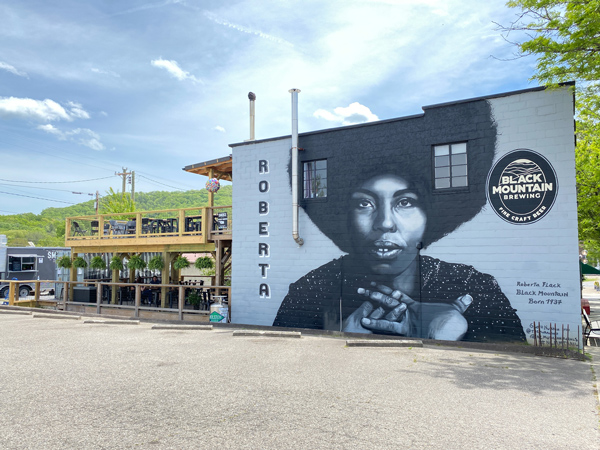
[{"x": 189, "y": 229}]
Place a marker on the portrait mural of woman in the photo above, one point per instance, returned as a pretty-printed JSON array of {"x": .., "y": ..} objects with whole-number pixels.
[{"x": 382, "y": 207}]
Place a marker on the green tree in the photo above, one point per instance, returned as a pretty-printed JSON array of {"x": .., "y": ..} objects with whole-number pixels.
[
  {"x": 564, "y": 36},
  {"x": 113, "y": 202}
]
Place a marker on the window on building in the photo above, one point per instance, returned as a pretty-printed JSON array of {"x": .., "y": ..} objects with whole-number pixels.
[
  {"x": 450, "y": 165},
  {"x": 315, "y": 179},
  {"x": 21, "y": 263}
]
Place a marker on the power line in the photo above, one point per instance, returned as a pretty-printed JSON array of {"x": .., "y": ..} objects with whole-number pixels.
[
  {"x": 187, "y": 188},
  {"x": 45, "y": 188},
  {"x": 38, "y": 198},
  {"x": 158, "y": 182},
  {"x": 56, "y": 182}
]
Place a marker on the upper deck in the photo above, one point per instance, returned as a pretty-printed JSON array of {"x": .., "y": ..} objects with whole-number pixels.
[{"x": 187, "y": 229}]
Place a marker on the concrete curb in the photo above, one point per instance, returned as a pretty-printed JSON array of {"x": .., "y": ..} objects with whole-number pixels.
[
  {"x": 9, "y": 311},
  {"x": 112, "y": 322},
  {"x": 257, "y": 333},
  {"x": 182, "y": 327},
  {"x": 55, "y": 316},
  {"x": 383, "y": 343}
]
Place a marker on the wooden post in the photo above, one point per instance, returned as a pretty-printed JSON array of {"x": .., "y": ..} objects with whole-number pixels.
[
  {"x": 218, "y": 266},
  {"x": 138, "y": 300},
  {"x": 36, "y": 295},
  {"x": 98, "y": 297},
  {"x": 181, "y": 301},
  {"x": 113, "y": 288},
  {"x": 211, "y": 195},
  {"x": 68, "y": 229},
  {"x": 165, "y": 278},
  {"x": 11, "y": 292},
  {"x": 66, "y": 297},
  {"x": 100, "y": 226},
  {"x": 206, "y": 224},
  {"x": 138, "y": 225},
  {"x": 181, "y": 222},
  {"x": 72, "y": 276}
]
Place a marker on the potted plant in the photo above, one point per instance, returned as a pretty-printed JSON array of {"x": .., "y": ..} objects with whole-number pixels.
[
  {"x": 205, "y": 262},
  {"x": 156, "y": 263},
  {"x": 80, "y": 263},
  {"x": 181, "y": 262},
  {"x": 97, "y": 263},
  {"x": 64, "y": 262},
  {"x": 116, "y": 263},
  {"x": 136, "y": 263},
  {"x": 194, "y": 299}
]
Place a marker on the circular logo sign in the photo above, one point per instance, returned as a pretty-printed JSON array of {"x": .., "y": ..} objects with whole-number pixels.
[{"x": 522, "y": 187}]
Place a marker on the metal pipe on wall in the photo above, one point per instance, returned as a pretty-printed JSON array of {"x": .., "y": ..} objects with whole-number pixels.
[
  {"x": 295, "y": 233},
  {"x": 252, "y": 98}
]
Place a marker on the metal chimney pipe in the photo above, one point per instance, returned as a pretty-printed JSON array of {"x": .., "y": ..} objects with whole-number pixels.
[
  {"x": 295, "y": 234},
  {"x": 252, "y": 97}
]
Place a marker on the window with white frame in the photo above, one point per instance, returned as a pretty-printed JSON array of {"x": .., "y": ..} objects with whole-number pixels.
[
  {"x": 450, "y": 165},
  {"x": 314, "y": 179}
]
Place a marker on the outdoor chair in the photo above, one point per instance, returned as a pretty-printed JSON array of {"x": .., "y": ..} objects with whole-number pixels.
[
  {"x": 130, "y": 226},
  {"x": 145, "y": 225},
  {"x": 77, "y": 230},
  {"x": 591, "y": 329},
  {"x": 94, "y": 227}
]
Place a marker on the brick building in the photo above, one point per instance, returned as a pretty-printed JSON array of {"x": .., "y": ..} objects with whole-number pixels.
[{"x": 457, "y": 223}]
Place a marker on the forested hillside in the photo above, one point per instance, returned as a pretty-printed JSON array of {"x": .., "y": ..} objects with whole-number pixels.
[{"x": 48, "y": 228}]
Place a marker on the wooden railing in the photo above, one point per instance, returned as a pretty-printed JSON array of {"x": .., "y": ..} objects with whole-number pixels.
[
  {"x": 102, "y": 301},
  {"x": 187, "y": 224}
]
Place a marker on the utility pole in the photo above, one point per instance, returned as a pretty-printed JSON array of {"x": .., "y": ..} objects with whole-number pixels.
[
  {"x": 133, "y": 187},
  {"x": 97, "y": 201},
  {"x": 124, "y": 175}
]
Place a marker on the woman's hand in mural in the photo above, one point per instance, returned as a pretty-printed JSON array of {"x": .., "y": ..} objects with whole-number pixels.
[
  {"x": 353, "y": 324},
  {"x": 394, "y": 312}
]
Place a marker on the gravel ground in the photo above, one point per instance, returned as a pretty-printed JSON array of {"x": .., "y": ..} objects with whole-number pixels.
[{"x": 69, "y": 385}]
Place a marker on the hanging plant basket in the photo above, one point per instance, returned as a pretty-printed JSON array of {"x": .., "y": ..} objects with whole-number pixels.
[
  {"x": 205, "y": 262},
  {"x": 64, "y": 262},
  {"x": 116, "y": 263},
  {"x": 79, "y": 263},
  {"x": 156, "y": 263},
  {"x": 98, "y": 263},
  {"x": 136, "y": 263},
  {"x": 181, "y": 263}
]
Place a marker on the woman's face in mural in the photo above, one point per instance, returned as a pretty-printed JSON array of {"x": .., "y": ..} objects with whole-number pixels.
[{"x": 387, "y": 223}]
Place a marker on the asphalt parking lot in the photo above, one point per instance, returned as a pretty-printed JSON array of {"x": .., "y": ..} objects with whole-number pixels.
[{"x": 65, "y": 384}]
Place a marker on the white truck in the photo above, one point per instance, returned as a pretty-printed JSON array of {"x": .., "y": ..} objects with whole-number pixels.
[{"x": 26, "y": 264}]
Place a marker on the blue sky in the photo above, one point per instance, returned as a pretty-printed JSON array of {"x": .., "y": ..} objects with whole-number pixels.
[{"x": 89, "y": 87}]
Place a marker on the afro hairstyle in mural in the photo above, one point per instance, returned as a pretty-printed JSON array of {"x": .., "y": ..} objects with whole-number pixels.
[{"x": 402, "y": 147}]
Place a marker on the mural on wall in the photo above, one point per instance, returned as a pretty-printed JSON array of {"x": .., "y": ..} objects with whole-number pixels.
[
  {"x": 446, "y": 225},
  {"x": 384, "y": 284}
]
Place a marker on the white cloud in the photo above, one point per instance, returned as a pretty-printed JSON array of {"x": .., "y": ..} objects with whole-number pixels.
[
  {"x": 12, "y": 69},
  {"x": 219, "y": 128},
  {"x": 48, "y": 128},
  {"x": 105, "y": 72},
  {"x": 83, "y": 136},
  {"x": 350, "y": 115},
  {"x": 77, "y": 111},
  {"x": 173, "y": 68},
  {"x": 27, "y": 108}
]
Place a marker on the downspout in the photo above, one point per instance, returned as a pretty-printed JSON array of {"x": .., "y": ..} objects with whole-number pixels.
[{"x": 295, "y": 234}]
